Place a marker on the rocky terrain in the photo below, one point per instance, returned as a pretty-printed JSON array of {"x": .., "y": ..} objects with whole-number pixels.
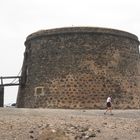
[{"x": 61, "y": 124}]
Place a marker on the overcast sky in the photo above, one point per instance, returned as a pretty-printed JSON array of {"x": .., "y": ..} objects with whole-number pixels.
[{"x": 19, "y": 18}]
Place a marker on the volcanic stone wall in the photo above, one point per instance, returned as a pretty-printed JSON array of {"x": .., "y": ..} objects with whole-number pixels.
[{"x": 80, "y": 67}]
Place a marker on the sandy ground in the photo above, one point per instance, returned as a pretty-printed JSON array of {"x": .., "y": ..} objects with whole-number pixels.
[{"x": 62, "y": 124}]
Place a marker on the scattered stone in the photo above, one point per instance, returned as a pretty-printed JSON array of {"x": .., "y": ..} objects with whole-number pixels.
[
  {"x": 31, "y": 131},
  {"x": 115, "y": 138},
  {"x": 53, "y": 130},
  {"x": 105, "y": 123},
  {"x": 52, "y": 127},
  {"x": 91, "y": 134},
  {"x": 48, "y": 134},
  {"x": 31, "y": 137},
  {"x": 83, "y": 129},
  {"x": 78, "y": 137},
  {"x": 86, "y": 137},
  {"x": 11, "y": 126}
]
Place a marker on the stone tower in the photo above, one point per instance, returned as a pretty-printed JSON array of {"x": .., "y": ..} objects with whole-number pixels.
[{"x": 80, "y": 67}]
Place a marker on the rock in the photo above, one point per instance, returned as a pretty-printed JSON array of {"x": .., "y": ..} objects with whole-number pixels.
[
  {"x": 86, "y": 137},
  {"x": 83, "y": 129},
  {"x": 116, "y": 138},
  {"x": 53, "y": 130},
  {"x": 31, "y": 131},
  {"x": 99, "y": 131},
  {"x": 78, "y": 137},
  {"x": 90, "y": 134},
  {"x": 31, "y": 137},
  {"x": 105, "y": 123}
]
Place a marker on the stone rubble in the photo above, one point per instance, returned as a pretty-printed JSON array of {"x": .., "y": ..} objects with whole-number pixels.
[{"x": 55, "y": 124}]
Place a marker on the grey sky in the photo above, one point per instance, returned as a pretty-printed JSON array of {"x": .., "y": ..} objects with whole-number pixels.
[{"x": 19, "y": 18}]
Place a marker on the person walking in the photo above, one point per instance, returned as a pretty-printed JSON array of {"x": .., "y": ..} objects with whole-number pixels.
[{"x": 109, "y": 105}]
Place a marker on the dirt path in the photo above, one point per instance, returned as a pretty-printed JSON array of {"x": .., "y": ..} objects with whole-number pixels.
[{"x": 61, "y": 124}]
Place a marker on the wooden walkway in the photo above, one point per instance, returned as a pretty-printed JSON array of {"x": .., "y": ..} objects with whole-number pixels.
[{"x": 15, "y": 81}]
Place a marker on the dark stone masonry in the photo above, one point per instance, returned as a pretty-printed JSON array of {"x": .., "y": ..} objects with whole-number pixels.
[{"x": 79, "y": 67}]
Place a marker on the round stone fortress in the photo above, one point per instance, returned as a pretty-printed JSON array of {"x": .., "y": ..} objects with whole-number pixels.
[{"x": 79, "y": 67}]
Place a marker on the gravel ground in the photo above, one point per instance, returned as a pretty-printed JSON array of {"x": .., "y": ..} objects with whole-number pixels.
[{"x": 63, "y": 124}]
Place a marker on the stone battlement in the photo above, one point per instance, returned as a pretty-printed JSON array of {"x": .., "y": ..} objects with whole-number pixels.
[{"x": 68, "y": 30}]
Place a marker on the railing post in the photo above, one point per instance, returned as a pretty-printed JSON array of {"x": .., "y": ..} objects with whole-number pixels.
[
  {"x": 1, "y": 96},
  {"x": 1, "y": 81}
]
